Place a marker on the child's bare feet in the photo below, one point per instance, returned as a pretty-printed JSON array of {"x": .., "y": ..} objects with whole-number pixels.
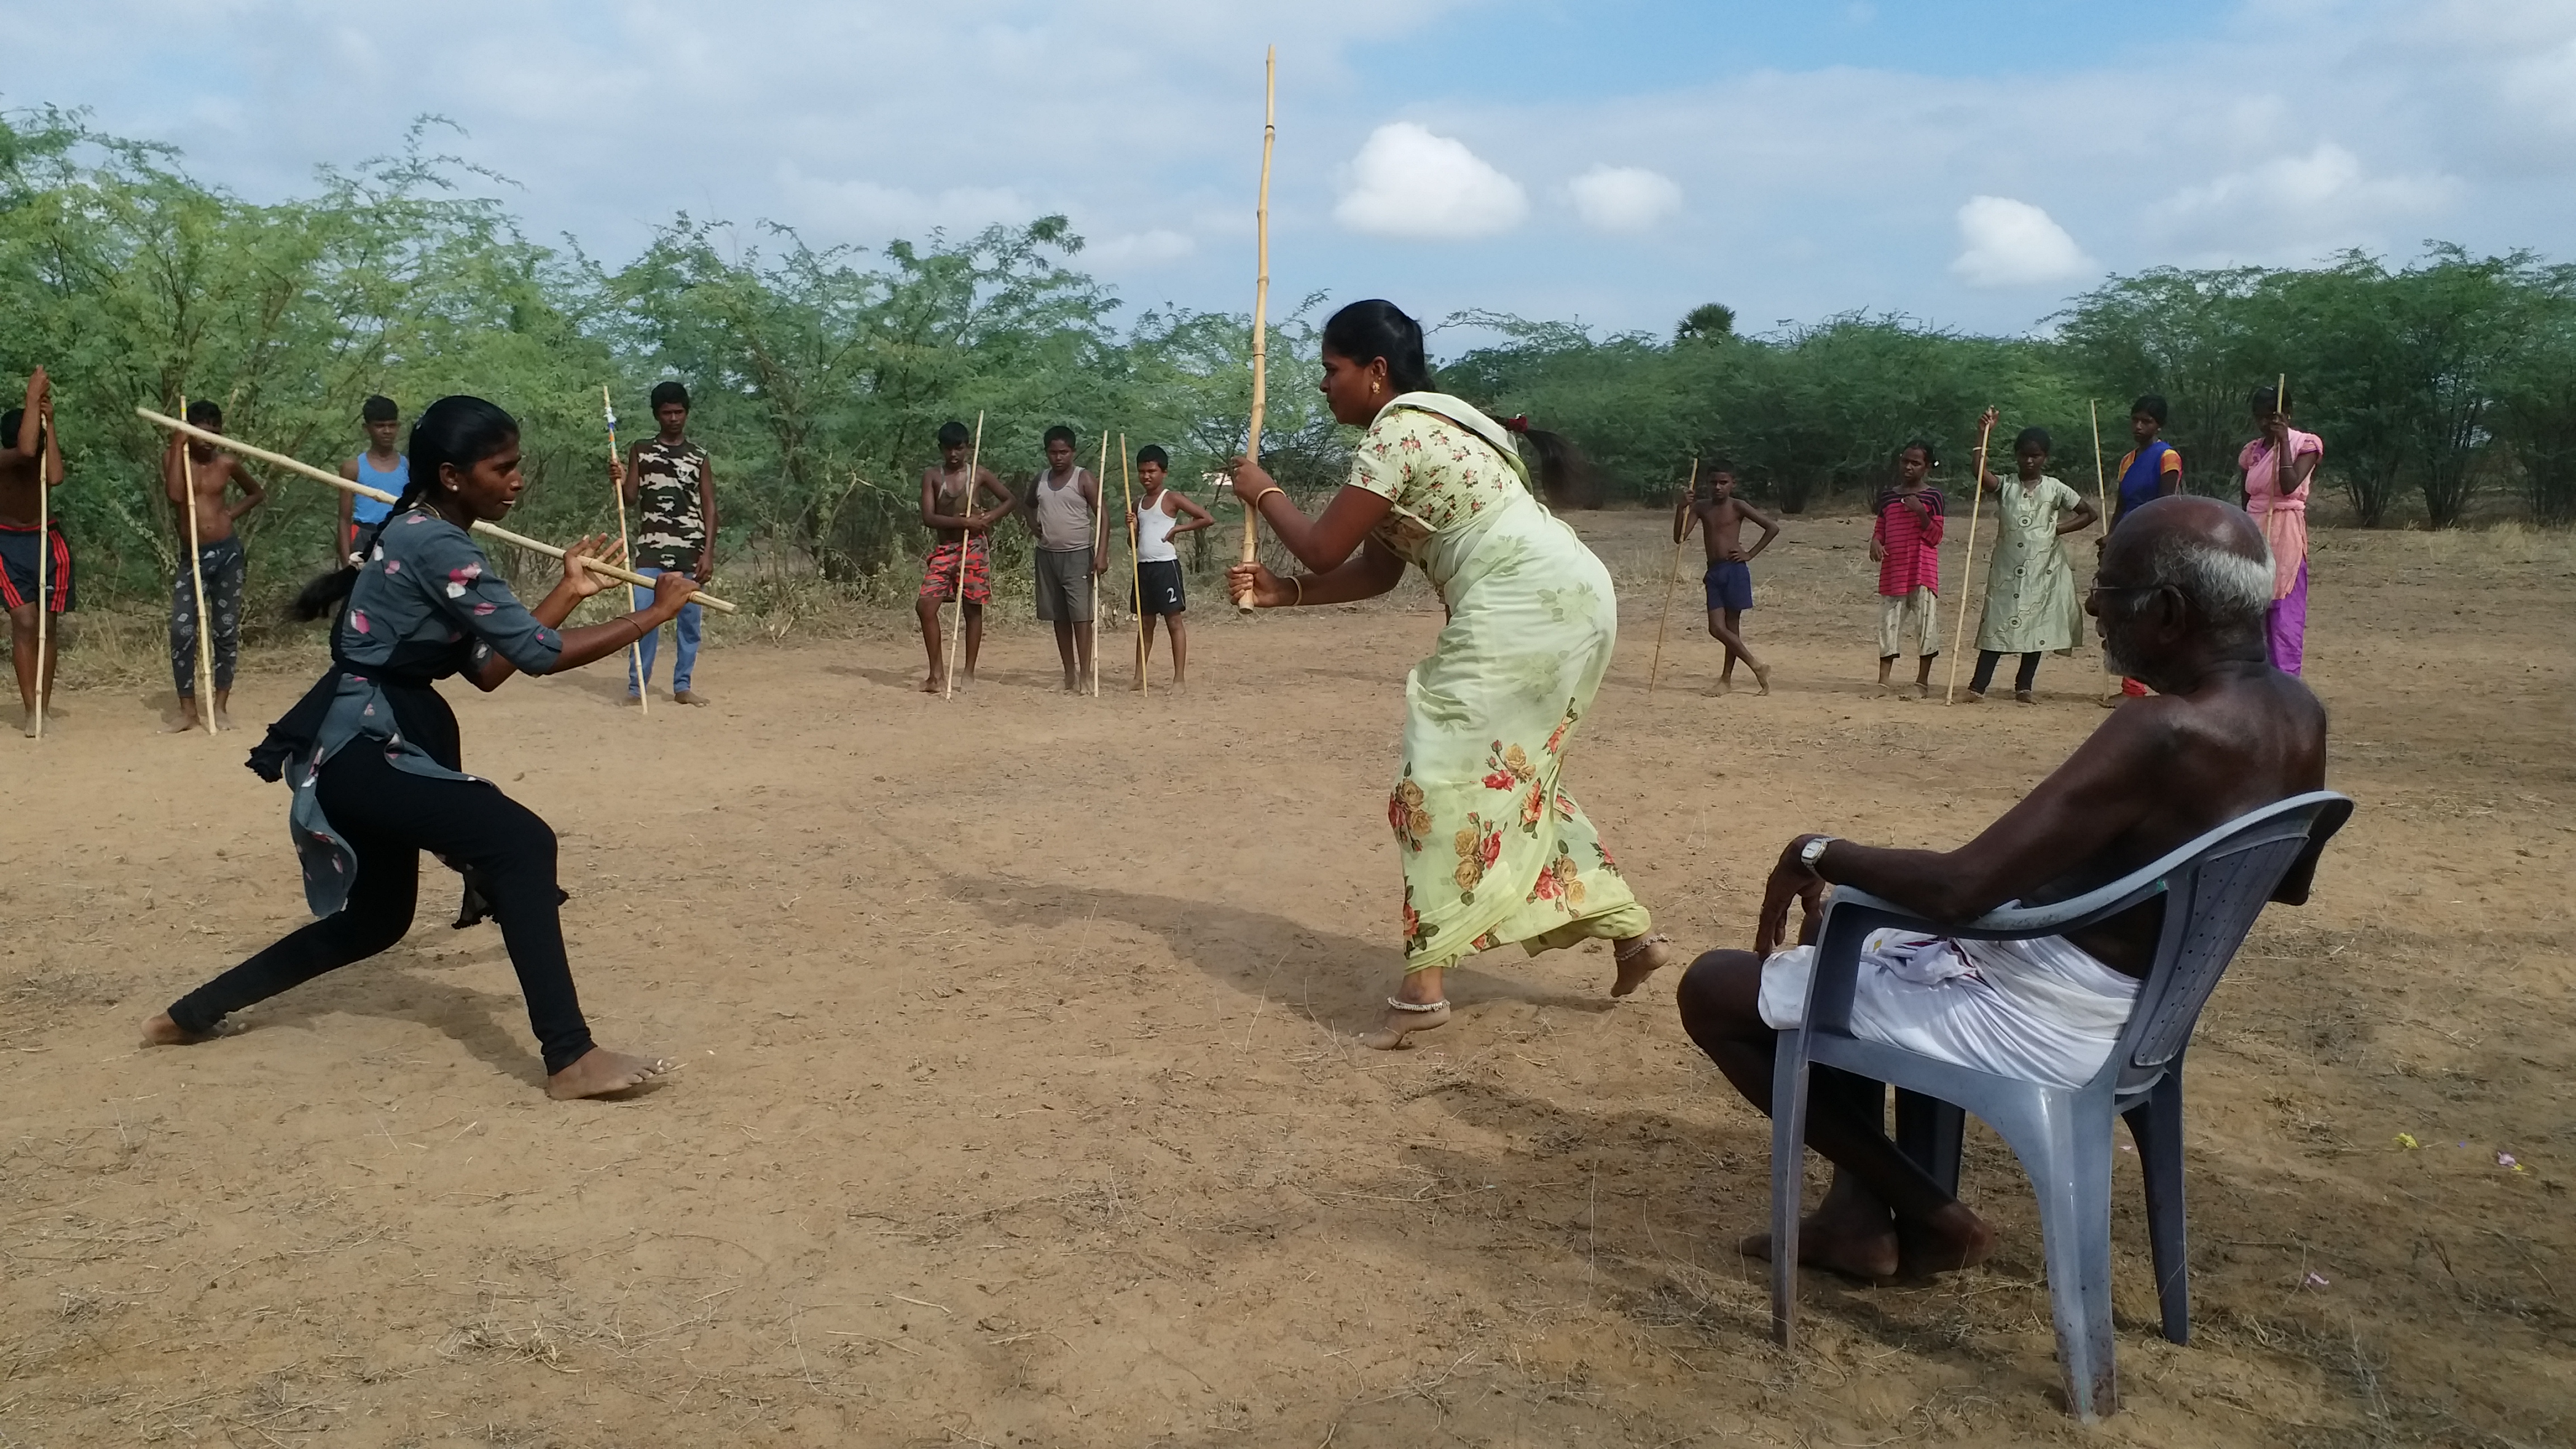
[
  {"x": 2023, "y": 696},
  {"x": 600, "y": 1072},
  {"x": 1762, "y": 677},
  {"x": 934, "y": 684}
]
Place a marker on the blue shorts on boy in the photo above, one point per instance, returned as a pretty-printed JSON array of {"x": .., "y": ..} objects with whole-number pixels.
[{"x": 1730, "y": 585}]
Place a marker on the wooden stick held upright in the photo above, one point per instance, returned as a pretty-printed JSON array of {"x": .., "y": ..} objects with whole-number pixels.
[
  {"x": 2101, "y": 490},
  {"x": 1260, "y": 310},
  {"x": 965, "y": 544},
  {"x": 45, "y": 442},
  {"x": 634, "y": 651},
  {"x": 488, "y": 530},
  {"x": 1968, "y": 569},
  {"x": 1135, "y": 565},
  {"x": 1099, "y": 537},
  {"x": 1673, "y": 581},
  {"x": 197, "y": 573}
]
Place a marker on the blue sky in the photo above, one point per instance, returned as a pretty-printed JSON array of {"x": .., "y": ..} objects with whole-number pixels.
[{"x": 1970, "y": 164}]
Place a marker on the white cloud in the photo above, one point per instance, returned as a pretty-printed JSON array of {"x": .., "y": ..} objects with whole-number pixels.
[
  {"x": 1149, "y": 248},
  {"x": 2015, "y": 244},
  {"x": 1407, "y": 182},
  {"x": 1624, "y": 198},
  {"x": 2295, "y": 207}
]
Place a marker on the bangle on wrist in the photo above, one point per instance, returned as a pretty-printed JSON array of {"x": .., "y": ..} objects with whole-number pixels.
[{"x": 1265, "y": 493}]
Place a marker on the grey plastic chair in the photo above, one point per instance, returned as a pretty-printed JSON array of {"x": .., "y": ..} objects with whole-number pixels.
[{"x": 2215, "y": 887}]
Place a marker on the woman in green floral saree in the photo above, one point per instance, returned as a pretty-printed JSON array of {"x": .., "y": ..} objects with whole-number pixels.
[{"x": 1495, "y": 851}]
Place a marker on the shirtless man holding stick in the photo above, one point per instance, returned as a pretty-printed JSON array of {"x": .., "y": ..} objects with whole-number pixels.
[{"x": 220, "y": 560}]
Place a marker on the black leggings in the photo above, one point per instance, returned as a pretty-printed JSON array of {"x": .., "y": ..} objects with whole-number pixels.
[
  {"x": 2023, "y": 678},
  {"x": 389, "y": 817}
]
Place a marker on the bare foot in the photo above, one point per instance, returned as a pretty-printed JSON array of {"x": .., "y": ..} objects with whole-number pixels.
[
  {"x": 1137, "y": 687},
  {"x": 1762, "y": 677},
  {"x": 934, "y": 684},
  {"x": 29, "y": 728},
  {"x": 633, "y": 699},
  {"x": 601, "y": 1072},
  {"x": 1723, "y": 687},
  {"x": 1854, "y": 1247},
  {"x": 1923, "y": 689},
  {"x": 1637, "y": 960},
  {"x": 1402, "y": 1022},
  {"x": 2023, "y": 696},
  {"x": 162, "y": 1031},
  {"x": 187, "y": 725},
  {"x": 688, "y": 696},
  {"x": 1970, "y": 696},
  {"x": 223, "y": 719},
  {"x": 1949, "y": 1240}
]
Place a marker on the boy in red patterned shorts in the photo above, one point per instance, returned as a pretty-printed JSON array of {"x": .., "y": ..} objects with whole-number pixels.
[{"x": 961, "y": 557}]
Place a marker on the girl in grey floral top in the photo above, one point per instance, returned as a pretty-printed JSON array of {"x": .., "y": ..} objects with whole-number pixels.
[{"x": 373, "y": 756}]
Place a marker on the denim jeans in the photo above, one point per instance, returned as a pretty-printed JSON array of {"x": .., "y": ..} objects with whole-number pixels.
[{"x": 686, "y": 626}]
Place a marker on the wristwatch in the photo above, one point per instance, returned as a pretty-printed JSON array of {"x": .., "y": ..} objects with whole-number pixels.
[{"x": 1813, "y": 851}]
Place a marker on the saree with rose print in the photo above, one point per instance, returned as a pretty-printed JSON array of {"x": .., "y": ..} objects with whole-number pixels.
[{"x": 1495, "y": 850}]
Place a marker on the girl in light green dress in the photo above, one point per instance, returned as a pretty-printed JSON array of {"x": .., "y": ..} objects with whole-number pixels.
[
  {"x": 1495, "y": 851},
  {"x": 2031, "y": 606}
]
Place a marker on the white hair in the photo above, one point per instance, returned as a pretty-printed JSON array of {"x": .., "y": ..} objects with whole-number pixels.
[{"x": 2225, "y": 588}]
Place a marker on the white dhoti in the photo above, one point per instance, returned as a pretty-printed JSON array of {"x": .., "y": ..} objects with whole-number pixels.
[{"x": 2039, "y": 1010}]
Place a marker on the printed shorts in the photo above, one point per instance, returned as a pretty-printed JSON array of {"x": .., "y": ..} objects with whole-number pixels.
[
  {"x": 939, "y": 576},
  {"x": 1917, "y": 614}
]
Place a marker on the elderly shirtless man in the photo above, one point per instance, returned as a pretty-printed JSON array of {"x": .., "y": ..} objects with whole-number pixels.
[{"x": 2180, "y": 603}]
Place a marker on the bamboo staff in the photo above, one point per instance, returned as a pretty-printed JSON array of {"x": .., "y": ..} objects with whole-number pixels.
[
  {"x": 488, "y": 530},
  {"x": 1671, "y": 581},
  {"x": 965, "y": 542},
  {"x": 1967, "y": 570},
  {"x": 197, "y": 573},
  {"x": 1260, "y": 312},
  {"x": 617, "y": 488},
  {"x": 1135, "y": 565},
  {"x": 2101, "y": 492},
  {"x": 1099, "y": 539},
  {"x": 45, "y": 442}
]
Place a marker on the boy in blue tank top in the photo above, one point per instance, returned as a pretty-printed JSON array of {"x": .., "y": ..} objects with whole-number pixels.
[{"x": 378, "y": 467}]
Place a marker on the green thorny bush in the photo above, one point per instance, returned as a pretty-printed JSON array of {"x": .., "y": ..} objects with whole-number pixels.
[{"x": 820, "y": 374}]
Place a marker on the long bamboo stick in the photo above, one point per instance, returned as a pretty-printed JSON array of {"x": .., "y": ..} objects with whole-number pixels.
[
  {"x": 488, "y": 530},
  {"x": 197, "y": 573},
  {"x": 1260, "y": 311},
  {"x": 617, "y": 490},
  {"x": 1099, "y": 537},
  {"x": 965, "y": 545},
  {"x": 45, "y": 442},
  {"x": 1135, "y": 565},
  {"x": 2101, "y": 500},
  {"x": 1671, "y": 581},
  {"x": 1968, "y": 570}
]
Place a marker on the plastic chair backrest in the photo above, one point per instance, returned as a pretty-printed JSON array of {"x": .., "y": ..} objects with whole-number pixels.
[{"x": 2211, "y": 903}]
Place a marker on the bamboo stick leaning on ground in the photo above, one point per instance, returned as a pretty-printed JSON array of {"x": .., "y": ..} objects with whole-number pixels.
[
  {"x": 1135, "y": 565},
  {"x": 2101, "y": 500},
  {"x": 1690, "y": 496},
  {"x": 965, "y": 544},
  {"x": 1099, "y": 538},
  {"x": 617, "y": 489},
  {"x": 488, "y": 530},
  {"x": 1260, "y": 311},
  {"x": 1968, "y": 570},
  {"x": 45, "y": 442},
  {"x": 197, "y": 573}
]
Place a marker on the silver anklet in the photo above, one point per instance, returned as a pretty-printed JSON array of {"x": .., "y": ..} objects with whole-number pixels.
[{"x": 1441, "y": 1005}]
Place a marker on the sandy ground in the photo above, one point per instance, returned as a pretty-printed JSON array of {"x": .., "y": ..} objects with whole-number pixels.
[{"x": 1020, "y": 1105}]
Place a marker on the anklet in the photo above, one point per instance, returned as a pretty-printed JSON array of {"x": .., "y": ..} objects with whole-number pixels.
[
  {"x": 1441, "y": 1005},
  {"x": 1640, "y": 944}
]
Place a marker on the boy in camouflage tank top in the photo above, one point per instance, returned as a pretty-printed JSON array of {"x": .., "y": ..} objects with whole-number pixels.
[{"x": 672, "y": 482}]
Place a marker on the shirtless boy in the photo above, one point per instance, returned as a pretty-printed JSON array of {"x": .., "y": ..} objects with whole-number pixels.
[
  {"x": 23, "y": 431},
  {"x": 219, "y": 558},
  {"x": 1729, "y": 581},
  {"x": 960, "y": 559}
]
